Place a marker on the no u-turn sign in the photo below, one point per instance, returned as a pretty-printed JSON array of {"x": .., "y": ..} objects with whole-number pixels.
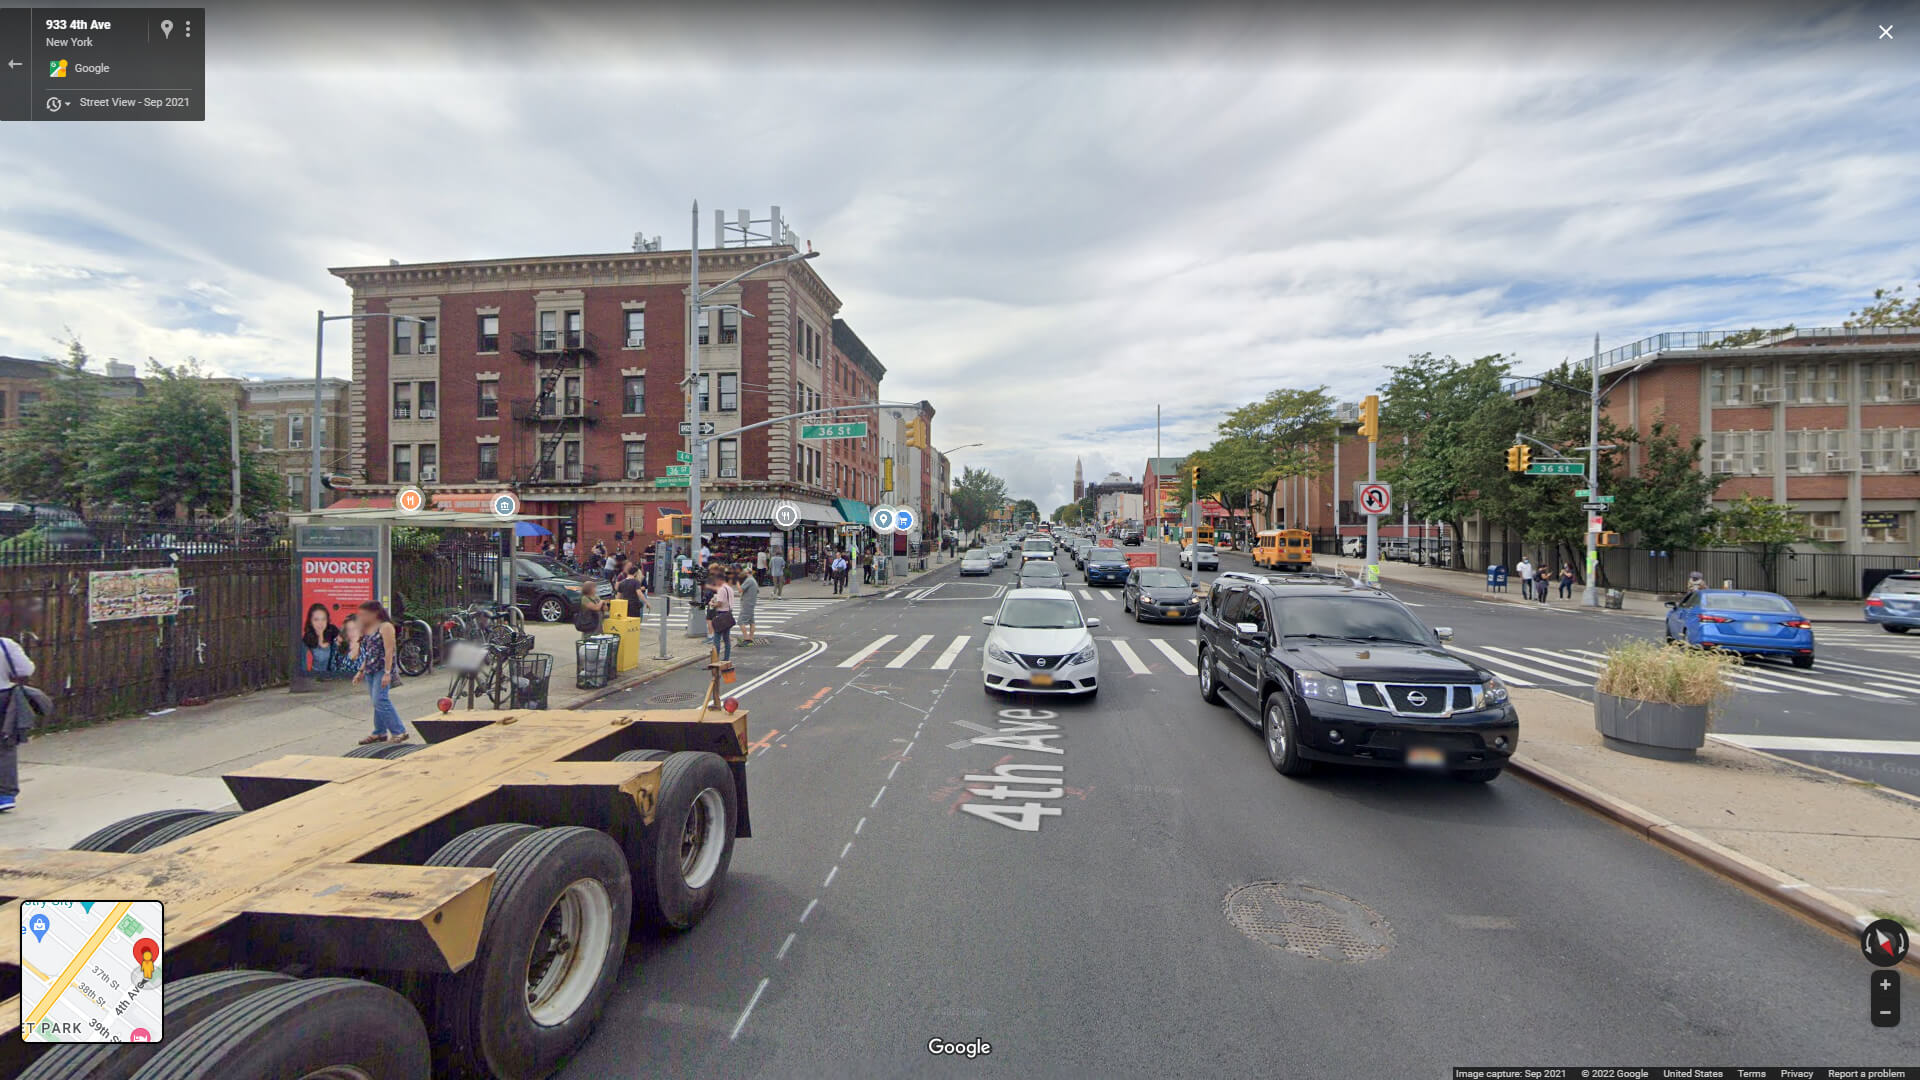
[{"x": 1373, "y": 498}]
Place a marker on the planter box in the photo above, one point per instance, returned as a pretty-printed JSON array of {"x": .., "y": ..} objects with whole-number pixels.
[{"x": 1670, "y": 732}]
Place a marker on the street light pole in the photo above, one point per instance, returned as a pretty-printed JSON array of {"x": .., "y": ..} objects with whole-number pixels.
[{"x": 1590, "y": 596}]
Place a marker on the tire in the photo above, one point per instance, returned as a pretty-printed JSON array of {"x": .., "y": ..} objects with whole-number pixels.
[
  {"x": 1209, "y": 679},
  {"x": 389, "y": 751},
  {"x": 1282, "y": 737},
  {"x": 188, "y": 1001},
  {"x": 552, "y": 609},
  {"x": 500, "y": 688},
  {"x": 1803, "y": 662},
  {"x": 414, "y": 658},
  {"x": 204, "y": 820},
  {"x": 483, "y": 846},
  {"x": 1477, "y": 776},
  {"x": 549, "y": 956},
  {"x": 123, "y": 834},
  {"x": 1892, "y": 629},
  {"x": 644, "y": 755},
  {"x": 691, "y": 841},
  {"x": 372, "y": 750},
  {"x": 303, "y": 1028}
]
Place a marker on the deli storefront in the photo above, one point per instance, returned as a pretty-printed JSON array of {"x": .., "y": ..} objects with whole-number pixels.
[{"x": 738, "y": 529}]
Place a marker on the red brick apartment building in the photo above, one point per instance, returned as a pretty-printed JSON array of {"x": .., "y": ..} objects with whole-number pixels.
[
  {"x": 561, "y": 378},
  {"x": 853, "y": 377}
]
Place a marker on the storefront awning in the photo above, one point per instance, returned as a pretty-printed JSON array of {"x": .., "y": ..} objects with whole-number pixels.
[
  {"x": 855, "y": 511},
  {"x": 760, "y": 512}
]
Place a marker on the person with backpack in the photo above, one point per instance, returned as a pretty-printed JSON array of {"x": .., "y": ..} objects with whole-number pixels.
[{"x": 719, "y": 604}]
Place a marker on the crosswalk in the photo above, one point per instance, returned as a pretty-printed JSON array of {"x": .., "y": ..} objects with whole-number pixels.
[
  {"x": 1139, "y": 656},
  {"x": 1870, "y": 638},
  {"x": 772, "y": 612},
  {"x": 1558, "y": 668}
]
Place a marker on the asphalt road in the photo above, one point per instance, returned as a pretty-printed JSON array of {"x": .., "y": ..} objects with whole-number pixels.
[{"x": 1414, "y": 923}]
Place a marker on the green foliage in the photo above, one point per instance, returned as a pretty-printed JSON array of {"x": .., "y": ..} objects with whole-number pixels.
[
  {"x": 1749, "y": 337},
  {"x": 1543, "y": 509},
  {"x": 1025, "y": 510},
  {"x": 171, "y": 446},
  {"x": 406, "y": 538},
  {"x": 977, "y": 496},
  {"x": 43, "y": 457},
  {"x": 1456, "y": 420},
  {"x": 1762, "y": 526},
  {"x": 1067, "y": 514},
  {"x": 1283, "y": 430},
  {"x": 1670, "y": 502},
  {"x": 1889, "y": 308}
]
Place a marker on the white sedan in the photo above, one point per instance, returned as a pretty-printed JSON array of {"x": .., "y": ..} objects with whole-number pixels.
[
  {"x": 976, "y": 561},
  {"x": 1040, "y": 643}
]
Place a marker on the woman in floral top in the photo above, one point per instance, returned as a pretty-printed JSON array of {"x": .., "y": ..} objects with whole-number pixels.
[{"x": 380, "y": 667}]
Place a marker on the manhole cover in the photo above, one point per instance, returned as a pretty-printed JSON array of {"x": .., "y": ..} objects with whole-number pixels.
[
  {"x": 673, "y": 698},
  {"x": 1309, "y": 922}
]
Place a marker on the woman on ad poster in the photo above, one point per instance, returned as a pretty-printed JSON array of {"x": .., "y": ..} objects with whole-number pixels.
[{"x": 321, "y": 638}]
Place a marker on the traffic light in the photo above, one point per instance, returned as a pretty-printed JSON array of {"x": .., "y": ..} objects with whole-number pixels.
[
  {"x": 1518, "y": 458},
  {"x": 917, "y": 433},
  {"x": 1370, "y": 417},
  {"x": 1608, "y": 539},
  {"x": 676, "y": 527},
  {"x": 1526, "y": 457}
]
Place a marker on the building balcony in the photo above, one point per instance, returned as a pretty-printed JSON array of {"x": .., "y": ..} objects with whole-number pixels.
[
  {"x": 553, "y": 409},
  {"x": 558, "y": 348}
]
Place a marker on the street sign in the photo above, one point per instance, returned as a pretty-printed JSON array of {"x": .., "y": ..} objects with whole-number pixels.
[
  {"x": 410, "y": 500},
  {"x": 786, "y": 515},
  {"x": 1595, "y": 524},
  {"x": 682, "y": 456},
  {"x": 881, "y": 519},
  {"x": 857, "y": 430},
  {"x": 678, "y": 470},
  {"x": 673, "y": 481},
  {"x": 686, "y": 428},
  {"x": 1557, "y": 468},
  {"x": 1373, "y": 498},
  {"x": 1600, "y": 503},
  {"x": 903, "y": 520},
  {"x": 506, "y": 504}
]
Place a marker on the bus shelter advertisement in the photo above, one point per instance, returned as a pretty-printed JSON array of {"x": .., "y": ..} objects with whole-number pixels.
[{"x": 332, "y": 588}]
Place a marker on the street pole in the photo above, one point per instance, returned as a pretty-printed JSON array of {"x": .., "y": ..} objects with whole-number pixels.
[
  {"x": 1373, "y": 522},
  {"x": 1590, "y": 596},
  {"x": 313, "y": 422},
  {"x": 1406, "y": 509},
  {"x": 234, "y": 423},
  {"x": 1337, "y": 542},
  {"x": 696, "y": 624}
]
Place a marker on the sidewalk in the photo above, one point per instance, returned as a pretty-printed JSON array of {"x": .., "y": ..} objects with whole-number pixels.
[
  {"x": 1838, "y": 851},
  {"x": 73, "y": 782},
  {"x": 1474, "y": 584},
  {"x": 815, "y": 588}
]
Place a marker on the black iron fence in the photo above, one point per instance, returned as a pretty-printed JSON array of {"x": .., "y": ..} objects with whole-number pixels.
[{"x": 68, "y": 539}]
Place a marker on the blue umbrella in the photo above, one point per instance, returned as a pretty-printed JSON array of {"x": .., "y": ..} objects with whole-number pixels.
[{"x": 528, "y": 528}]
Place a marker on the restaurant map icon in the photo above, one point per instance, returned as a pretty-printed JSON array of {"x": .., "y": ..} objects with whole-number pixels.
[{"x": 90, "y": 971}]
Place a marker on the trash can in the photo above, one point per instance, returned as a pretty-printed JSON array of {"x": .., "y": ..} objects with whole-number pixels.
[
  {"x": 1614, "y": 599},
  {"x": 532, "y": 675},
  {"x": 626, "y": 629},
  {"x": 594, "y": 658}
]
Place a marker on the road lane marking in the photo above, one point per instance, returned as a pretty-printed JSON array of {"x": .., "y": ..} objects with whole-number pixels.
[
  {"x": 831, "y": 874},
  {"x": 814, "y": 648},
  {"x": 1890, "y": 679},
  {"x": 811, "y": 904},
  {"x": 849, "y": 847},
  {"x": 748, "y": 1011},
  {"x": 1586, "y": 671},
  {"x": 910, "y": 652},
  {"x": 1747, "y": 680},
  {"x": 1902, "y": 747},
  {"x": 891, "y": 595},
  {"x": 1127, "y": 654},
  {"x": 1085, "y": 595},
  {"x": 876, "y": 797},
  {"x": 815, "y": 699},
  {"x": 761, "y": 743},
  {"x": 866, "y": 652},
  {"x": 895, "y": 769},
  {"x": 1804, "y": 683},
  {"x": 1178, "y": 660},
  {"x": 861, "y": 825},
  {"x": 1505, "y": 669},
  {"x": 1195, "y": 642},
  {"x": 785, "y": 945},
  {"x": 953, "y": 651}
]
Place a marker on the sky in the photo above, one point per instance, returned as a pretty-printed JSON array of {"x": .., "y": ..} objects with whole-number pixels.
[{"x": 1045, "y": 220}]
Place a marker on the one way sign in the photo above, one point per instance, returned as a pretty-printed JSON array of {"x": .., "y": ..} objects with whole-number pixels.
[{"x": 686, "y": 427}]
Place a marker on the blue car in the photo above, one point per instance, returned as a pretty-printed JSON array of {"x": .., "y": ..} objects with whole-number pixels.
[
  {"x": 1895, "y": 602},
  {"x": 1742, "y": 621},
  {"x": 1105, "y": 566}
]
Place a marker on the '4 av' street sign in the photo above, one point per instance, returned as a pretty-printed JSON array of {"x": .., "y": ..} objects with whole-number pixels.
[
  {"x": 856, "y": 430},
  {"x": 682, "y": 456},
  {"x": 1557, "y": 468}
]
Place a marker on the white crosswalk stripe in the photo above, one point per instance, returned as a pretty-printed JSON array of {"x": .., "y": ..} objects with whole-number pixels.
[
  {"x": 910, "y": 651},
  {"x": 774, "y": 611},
  {"x": 1894, "y": 680},
  {"x": 1178, "y": 660},
  {"x": 1585, "y": 673},
  {"x": 868, "y": 651},
  {"x": 1797, "y": 681},
  {"x": 1741, "y": 678},
  {"x": 1132, "y": 659},
  {"x": 1085, "y": 595},
  {"x": 946, "y": 658},
  {"x": 1506, "y": 668}
]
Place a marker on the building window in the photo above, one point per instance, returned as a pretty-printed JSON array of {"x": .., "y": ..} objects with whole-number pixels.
[
  {"x": 297, "y": 489},
  {"x": 489, "y": 334},
  {"x": 549, "y": 331},
  {"x": 296, "y": 431},
  {"x": 1880, "y": 449},
  {"x": 402, "y": 337},
  {"x": 633, "y": 395},
  {"x": 633, "y": 462},
  {"x": 705, "y": 404},
  {"x": 1727, "y": 385},
  {"x": 636, "y": 329},
  {"x": 1826, "y": 384},
  {"x": 3, "y": 406},
  {"x": 429, "y": 463},
  {"x": 489, "y": 462},
  {"x": 403, "y": 464},
  {"x": 28, "y": 401},
  {"x": 429, "y": 400},
  {"x": 729, "y": 327},
  {"x": 570, "y": 456},
  {"x": 571, "y": 403},
  {"x": 729, "y": 457},
  {"x": 264, "y": 430},
  {"x": 402, "y": 401},
  {"x": 1886, "y": 526},
  {"x": 1814, "y": 451},
  {"x": 489, "y": 398},
  {"x": 575, "y": 332},
  {"x": 1741, "y": 453},
  {"x": 429, "y": 335},
  {"x": 702, "y": 323},
  {"x": 729, "y": 391},
  {"x": 1892, "y": 381}
]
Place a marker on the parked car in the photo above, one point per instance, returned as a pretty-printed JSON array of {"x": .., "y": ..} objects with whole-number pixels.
[
  {"x": 1042, "y": 574},
  {"x": 1040, "y": 643},
  {"x": 1745, "y": 621},
  {"x": 543, "y": 594},
  {"x": 1349, "y": 675},
  {"x": 976, "y": 562},
  {"x": 1200, "y": 557},
  {"x": 1160, "y": 593},
  {"x": 1895, "y": 602},
  {"x": 1105, "y": 566},
  {"x": 1353, "y": 547}
]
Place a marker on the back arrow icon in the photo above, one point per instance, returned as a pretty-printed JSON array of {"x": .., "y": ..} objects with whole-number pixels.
[{"x": 13, "y": 63}]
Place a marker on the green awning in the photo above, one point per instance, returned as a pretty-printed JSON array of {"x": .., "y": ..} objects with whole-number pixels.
[{"x": 853, "y": 510}]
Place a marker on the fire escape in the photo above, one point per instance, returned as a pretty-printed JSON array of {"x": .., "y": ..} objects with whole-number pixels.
[{"x": 559, "y": 412}]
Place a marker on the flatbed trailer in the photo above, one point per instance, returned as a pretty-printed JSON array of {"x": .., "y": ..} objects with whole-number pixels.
[{"x": 457, "y": 907}]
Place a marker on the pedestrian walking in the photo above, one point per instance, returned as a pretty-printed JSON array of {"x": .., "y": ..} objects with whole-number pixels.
[
  {"x": 839, "y": 571},
  {"x": 1525, "y": 570},
  {"x": 720, "y": 618},
  {"x": 1566, "y": 580},
  {"x": 634, "y": 591},
  {"x": 749, "y": 598},
  {"x": 1543, "y": 583},
  {"x": 567, "y": 549},
  {"x": 22, "y": 708},
  {"x": 380, "y": 668},
  {"x": 777, "y": 567},
  {"x": 760, "y": 566}
]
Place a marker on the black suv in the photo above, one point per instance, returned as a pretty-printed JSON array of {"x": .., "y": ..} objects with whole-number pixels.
[{"x": 1348, "y": 674}]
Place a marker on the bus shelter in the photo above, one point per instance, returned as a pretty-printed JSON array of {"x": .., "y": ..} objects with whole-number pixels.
[{"x": 343, "y": 558}]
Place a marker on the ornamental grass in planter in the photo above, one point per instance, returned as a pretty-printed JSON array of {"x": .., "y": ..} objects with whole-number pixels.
[{"x": 1658, "y": 700}]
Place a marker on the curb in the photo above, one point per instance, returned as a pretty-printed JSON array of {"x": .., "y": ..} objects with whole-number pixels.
[
  {"x": 609, "y": 691},
  {"x": 1822, "y": 908}
]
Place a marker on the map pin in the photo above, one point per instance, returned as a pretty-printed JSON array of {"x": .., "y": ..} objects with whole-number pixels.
[
  {"x": 39, "y": 925},
  {"x": 166, "y": 28},
  {"x": 140, "y": 1035},
  {"x": 87, "y": 906},
  {"x": 146, "y": 952}
]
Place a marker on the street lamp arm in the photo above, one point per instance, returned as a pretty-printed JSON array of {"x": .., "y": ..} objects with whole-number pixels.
[
  {"x": 795, "y": 257},
  {"x": 1549, "y": 447},
  {"x": 702, "y": 440}
]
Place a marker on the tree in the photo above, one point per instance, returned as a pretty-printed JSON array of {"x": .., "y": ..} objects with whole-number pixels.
[
  {"x": 172, "y": 447},
  {"x": 43, "y": 458},
  {"x": 1751, "y": 336},
  {"x": 1025, "y": 510},
  {"x": 1889, "y": 308},
  {"x": 977, "y": 497},
  {"x": 1284, "y": 429},
  {"x": 1543, "y": 508},
  {"x": 1067, "y": 514},
  {"x": 1670, "y": 502},
  {"x": 1457, "y": 420},
  {"x": 1762, "y": 526}
]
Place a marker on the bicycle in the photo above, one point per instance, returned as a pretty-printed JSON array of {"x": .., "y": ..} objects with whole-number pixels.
[
  {"x": 482, "y": 668},
  {"x": 416, "y": 647}
]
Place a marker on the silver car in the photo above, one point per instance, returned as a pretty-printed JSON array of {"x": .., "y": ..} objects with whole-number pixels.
[{"x": 1200, "y": 557}]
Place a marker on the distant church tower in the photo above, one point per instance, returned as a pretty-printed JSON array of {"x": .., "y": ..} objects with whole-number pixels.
[{"x": 1079, "y": 484}]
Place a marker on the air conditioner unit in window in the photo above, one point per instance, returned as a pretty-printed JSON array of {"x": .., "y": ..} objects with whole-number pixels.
[
  {"x": 429, "y": 350},
  {"x": 428, "y": 414},
  {"x": 636, "y": 342},
  {"x": 635, "y": 472},
  {"x": 1724, "y": 464},
  {"x": 729, "y": 473},
  {"x": 1910, "y": 461},
  {"x": 1831, "y": 536},
  {"x": 1771, "y": 395},
  {"x": 1840, "y": 463},
  {"x": 429, "y": 474},
  {"x": 1910, "y": 391}
]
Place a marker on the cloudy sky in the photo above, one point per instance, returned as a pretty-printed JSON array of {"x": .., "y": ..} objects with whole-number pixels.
[{"x": 1047, "y": 225}]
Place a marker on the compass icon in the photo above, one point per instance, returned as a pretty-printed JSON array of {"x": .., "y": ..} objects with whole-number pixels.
[{"x": 1884, "y": 942}]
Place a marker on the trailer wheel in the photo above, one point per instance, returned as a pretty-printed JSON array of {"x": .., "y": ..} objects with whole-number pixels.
[
  {"x": 548, "y": 958},
  {"x": 644, "y": 755},
  {"x": 389, "y": 751},
  {"x": 188, "y": 1001},
  {"x": 123, "y": 834},
  {"x": 205, "y": 819},
  {"x": 482, "y": 846},
  {"x": 372, "y": 750},
  {"x": 691, "y": 841},
  {"x": 308, "y": 1028}
]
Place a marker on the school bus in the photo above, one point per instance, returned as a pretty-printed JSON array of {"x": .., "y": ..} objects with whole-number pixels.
[
  {"x": 1283, "y": 549},
  {"x": 1186, "y": 534}
]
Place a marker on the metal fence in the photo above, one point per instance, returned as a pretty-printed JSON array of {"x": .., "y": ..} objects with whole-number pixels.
[
  {"x": 1806, "y": 575},
  {"x": 230, "y": 634},
  {"x": 106, "y": 540}
]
